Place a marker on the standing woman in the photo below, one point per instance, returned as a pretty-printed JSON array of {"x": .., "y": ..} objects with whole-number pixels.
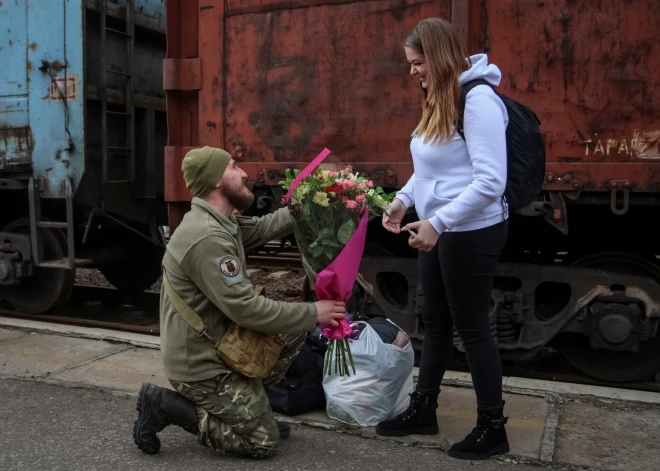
[{"x": 457, "y": 189}]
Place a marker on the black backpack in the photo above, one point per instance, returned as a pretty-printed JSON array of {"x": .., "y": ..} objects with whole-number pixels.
[{"x": 525, "y": 149}]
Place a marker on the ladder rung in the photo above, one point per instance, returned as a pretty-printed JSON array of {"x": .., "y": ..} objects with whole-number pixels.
[
  {"x": 52, "y": 225},
  {"x": 116, "y": 31},
  {"x": 120, "y": 113},
  {"x": 117, "y": 72}
]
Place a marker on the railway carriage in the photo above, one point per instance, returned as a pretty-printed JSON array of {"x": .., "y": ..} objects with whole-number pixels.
[
  {"x": 276, "y": 81},
  {"x": 82, "y": 132}
]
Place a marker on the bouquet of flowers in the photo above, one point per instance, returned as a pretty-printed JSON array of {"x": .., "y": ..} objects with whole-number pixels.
[{"x": 331, "y": 212}]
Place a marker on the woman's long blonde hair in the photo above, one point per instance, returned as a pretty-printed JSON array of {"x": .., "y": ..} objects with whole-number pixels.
[{"x": 446, "y": 59}]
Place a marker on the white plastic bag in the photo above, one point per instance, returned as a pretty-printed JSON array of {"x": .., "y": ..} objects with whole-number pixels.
[{"x": 379, "y": 389}]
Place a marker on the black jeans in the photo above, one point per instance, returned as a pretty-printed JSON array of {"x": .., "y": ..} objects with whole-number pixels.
[{"x": 456, "y": 279}]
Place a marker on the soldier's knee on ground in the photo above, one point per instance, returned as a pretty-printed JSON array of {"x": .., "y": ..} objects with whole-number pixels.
[{"x": 264, "y": 451}]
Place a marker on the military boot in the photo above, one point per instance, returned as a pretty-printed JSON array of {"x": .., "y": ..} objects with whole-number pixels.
[
  {"x": 420, "y": 418},
  {"x": 487, "y": 439},
  {"x": 157, "y": 408}
]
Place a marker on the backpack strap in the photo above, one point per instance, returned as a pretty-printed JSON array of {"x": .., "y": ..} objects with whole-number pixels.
[
  {"x": 465, "y": 89},
  {"x": 185, "y": 311}
]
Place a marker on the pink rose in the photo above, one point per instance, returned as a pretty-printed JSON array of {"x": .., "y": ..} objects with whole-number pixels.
[
  {"x": 344, "y": 199},
  {"x": 370, "y": 184},
  {"x": 348, "y": 184},
  {"x": 360, "y": 198},
  {"x": 362, "y": 186},
  {"x": 333, "y": 174},
  {"x": 351, "y": 204}
]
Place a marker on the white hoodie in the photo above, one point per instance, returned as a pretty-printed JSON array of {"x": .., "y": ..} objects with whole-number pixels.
[{"x": 458, "y": 186}]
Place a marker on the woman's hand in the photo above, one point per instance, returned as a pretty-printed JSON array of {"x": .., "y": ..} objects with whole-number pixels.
[
  {"x": 396, "y": 212},
  {"x": 426, "y": 237}
]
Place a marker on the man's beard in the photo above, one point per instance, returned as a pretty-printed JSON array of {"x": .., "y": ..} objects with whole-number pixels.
[{"x": 240, "y": 198}]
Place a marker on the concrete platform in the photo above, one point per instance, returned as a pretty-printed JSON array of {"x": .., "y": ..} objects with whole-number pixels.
[
  {"x": 555, "y": 426},
  {"x": 50, "y": 427}
]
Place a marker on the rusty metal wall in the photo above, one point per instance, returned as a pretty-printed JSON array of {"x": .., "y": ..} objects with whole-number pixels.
[
  {"x": 589, "y": 69},
  {"x": 275, "y": 81}
]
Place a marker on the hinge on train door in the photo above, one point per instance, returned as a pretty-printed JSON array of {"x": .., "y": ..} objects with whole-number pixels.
[
  {"x": 182, "y": 74},
  {"x": 617, "y": 186}
]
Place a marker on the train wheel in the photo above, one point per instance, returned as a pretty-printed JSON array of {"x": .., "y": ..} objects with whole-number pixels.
[
  {"x": 48, "y": 287},
  {"x": 138, "y": 271},
  {"x": 608, "y": 365}
]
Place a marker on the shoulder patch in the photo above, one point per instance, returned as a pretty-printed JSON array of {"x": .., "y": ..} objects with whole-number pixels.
[
  {"x": 229, "y": 266},
  {"x": 230, "y": 270}
]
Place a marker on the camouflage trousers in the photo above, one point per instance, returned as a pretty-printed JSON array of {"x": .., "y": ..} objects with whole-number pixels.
[{"x": 234, "y": 415}]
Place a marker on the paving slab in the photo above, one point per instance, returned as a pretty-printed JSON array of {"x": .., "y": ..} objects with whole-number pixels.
[
  {"x": 124, "y": 371},
  {"x": 37, "y": 355},
  {"x": 6, "y": 334},
  {"x": 599, "y": 437},
  {"x": 456, "y": 418}
]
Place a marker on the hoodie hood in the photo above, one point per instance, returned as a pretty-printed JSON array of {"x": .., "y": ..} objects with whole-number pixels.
[{"x": 481, "y": 69}]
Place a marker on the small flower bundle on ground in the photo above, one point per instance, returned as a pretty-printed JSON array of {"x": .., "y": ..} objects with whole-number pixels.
[{"x": 331, "y": 212}]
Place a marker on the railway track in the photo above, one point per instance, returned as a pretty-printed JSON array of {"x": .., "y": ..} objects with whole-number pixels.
[{"x": 275, "y": 257}]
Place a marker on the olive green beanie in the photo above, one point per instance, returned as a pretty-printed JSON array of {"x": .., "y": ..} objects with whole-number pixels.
[{"x": 203, "y": 168}]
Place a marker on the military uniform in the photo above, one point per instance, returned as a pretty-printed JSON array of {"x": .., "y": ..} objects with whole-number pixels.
[{"x": 205, "y": 264}]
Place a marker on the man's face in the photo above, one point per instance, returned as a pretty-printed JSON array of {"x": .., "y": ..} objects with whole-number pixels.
[{"x": 233, "y": 187}]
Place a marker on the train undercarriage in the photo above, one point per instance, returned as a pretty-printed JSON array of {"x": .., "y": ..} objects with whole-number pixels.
[
  {"x": 44, "y": 241},
  {"x": 591, "y": 292}
]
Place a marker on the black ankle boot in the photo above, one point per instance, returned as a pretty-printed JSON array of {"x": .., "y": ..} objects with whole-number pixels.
[
  {"x": 157, "y": 408},
  {"x": 419, "y": 418},
  {"x": 487, "y": 439}
]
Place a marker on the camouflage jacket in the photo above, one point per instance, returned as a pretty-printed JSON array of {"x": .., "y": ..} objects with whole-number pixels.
[{"x": 205, "y": 264}]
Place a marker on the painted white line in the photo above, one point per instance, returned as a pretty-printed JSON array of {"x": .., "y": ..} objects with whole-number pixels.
[
  {"x": 548, "y": 443},
  {"x": 539, "y": 386},
  {"x": 583, "y": 390},
  {"x": 138, "y": 340}
]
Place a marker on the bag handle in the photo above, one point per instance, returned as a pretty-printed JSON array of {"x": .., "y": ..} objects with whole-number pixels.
[{"x": 185, "y": 311}]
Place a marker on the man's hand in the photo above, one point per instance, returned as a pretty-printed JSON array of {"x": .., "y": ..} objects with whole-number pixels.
[
  {"x": 329, "y": 312},
  {"x": 426, "y": 237},
  {"x": 396, "y": 212}
]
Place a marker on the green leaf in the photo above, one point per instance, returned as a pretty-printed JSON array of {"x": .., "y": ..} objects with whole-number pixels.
[
  {"x": 329, "y": 252},
  {"x": 312, "y": 245},
  {"x": 306, "y": 211},
  {"x": 316, "y": 250},
  {"x": 330, "y": 243},
  {"x": 346, "y": 231},
  {"x": 326, "y": 233}
]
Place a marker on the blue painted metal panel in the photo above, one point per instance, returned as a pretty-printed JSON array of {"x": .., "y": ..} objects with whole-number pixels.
[
  {"x": 13, "y": 44},
  {"x": 15, "y": 138},
  {"x": 56, "y": 84}
]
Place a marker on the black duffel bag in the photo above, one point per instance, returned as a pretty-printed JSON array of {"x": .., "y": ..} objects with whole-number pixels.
[{"x": 301, "y": 390}]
